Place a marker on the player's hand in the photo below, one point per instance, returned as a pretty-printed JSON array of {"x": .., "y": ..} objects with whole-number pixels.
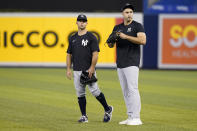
[
  {"x": 91, "y": 71},
  {"x": 122, "y": 35},
  {"x": 110, "y": 45},
  {"x": 68, "y": 74}
]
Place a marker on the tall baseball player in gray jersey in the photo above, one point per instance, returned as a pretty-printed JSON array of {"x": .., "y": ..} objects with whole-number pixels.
[
  {"x": 131, "y": 36},
  {"x": 83, "y": 48}
]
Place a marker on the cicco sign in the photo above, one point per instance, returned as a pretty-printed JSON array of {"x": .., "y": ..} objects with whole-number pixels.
[
  {"x": 178, "y": 41},
  {"x": 30, "y": 36},
  {"x": 12, "y": 38},
  {"x": 37, "y": 39}
]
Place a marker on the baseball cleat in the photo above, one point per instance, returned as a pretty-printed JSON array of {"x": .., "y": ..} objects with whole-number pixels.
[
  {"x": 108, "y": 114},
  {"x": 83, "y": 119},
  {"x": 135, "y": 121},
  {"x": 123, "y": 122}
]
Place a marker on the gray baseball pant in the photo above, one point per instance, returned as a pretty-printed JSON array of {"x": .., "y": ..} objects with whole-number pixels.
[
  {"x": 80, "y": 88},
  {"x": 129, "y": 83}
]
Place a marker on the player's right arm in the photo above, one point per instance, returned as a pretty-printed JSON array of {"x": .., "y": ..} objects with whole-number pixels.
[
  {"x": 68, "y": 64},
  {"x": 68, "y": 60}
]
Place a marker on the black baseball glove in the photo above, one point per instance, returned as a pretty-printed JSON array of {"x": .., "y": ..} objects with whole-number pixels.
[
  {"x": 113, "y": 38},
  {"x": 85, "y": 79}
]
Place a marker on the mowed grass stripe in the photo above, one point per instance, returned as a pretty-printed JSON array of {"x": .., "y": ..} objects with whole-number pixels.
[
  {"x": 165, "y": 90},
  {"x": 37, "y": 96},
  {"x": 43, "y": 99},
  {"x": 179, "y": 117},
  {"x": 175, "y": 79},
  {"x": 45, "y": 77}
]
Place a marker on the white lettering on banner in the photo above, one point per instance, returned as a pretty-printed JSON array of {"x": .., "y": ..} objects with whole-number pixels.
[
  {"x": 190, "y": 44},
  {"x": 181, "y": 36},
  {"x": 184, "y": 54},
  {"x": 177, "y": 43},
  {"x": 182, "y": 8},
  {"x": 157, "y": 7}
]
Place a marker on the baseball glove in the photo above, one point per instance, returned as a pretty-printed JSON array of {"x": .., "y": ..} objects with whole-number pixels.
[
  {"x": 113, "y": 38},
  {"x": 85, "y": 79}
]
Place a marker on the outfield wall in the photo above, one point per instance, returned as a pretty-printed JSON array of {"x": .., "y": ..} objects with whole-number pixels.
[
  {"x": 171, "y": 41},
  {"x": 41, "y": 39}
]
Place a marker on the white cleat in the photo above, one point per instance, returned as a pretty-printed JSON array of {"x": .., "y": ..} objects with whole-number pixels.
[
  {"x": 135, "y": 121},
  {"x": 123, "y": 122}
]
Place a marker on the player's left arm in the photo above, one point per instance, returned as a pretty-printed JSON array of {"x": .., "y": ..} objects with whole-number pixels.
[
  {"x": 95, "y": 51},
  {"x": 140, "y": 39},
  {"x": 91, "y": 70}
]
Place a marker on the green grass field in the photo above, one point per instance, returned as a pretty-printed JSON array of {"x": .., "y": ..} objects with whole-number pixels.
[{"x": 42, "y": 99}]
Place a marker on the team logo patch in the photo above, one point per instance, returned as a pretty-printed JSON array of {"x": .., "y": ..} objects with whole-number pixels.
[
  {"x": 129, "y": 29},
  {"x": 84, "y": 42},
  {"x": 73, "y": 41}
]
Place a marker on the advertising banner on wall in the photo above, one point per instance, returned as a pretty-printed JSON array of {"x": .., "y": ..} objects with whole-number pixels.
[
  {"x": 177, "y": 41},
  {"x": 170, "y": 6},
  {"x": 37, "y": 39},
  {"x": 41, "y": 39}
]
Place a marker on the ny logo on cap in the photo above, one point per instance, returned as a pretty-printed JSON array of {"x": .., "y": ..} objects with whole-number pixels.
[{"x": 84, "y": 42}]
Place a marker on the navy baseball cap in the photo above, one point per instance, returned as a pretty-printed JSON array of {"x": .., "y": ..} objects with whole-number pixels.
[
  {"x": 82, "y": 17},
  {"x": 127, "y": 5}
]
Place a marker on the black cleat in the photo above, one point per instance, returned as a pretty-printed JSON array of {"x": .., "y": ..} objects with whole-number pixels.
[
  {"x": 83, "y": 119},
  {"x": 108, "y": 114}
]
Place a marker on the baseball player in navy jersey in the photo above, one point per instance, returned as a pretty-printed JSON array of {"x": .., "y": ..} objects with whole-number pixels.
[
  {"x": 131, "y": 36},
  {"x": 83, "y": 49}
]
